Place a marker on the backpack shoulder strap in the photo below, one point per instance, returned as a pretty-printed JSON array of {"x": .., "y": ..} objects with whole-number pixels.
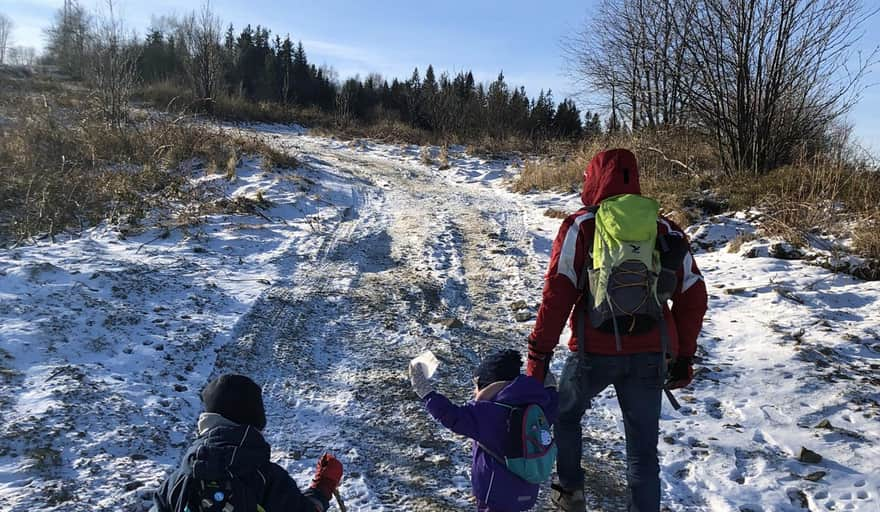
[
  {"x": 507, "y": 406},
  {"x": 584, "y": 289},
  {"x": 501, "y": 460},
  {"x": 511, "y": 408}
]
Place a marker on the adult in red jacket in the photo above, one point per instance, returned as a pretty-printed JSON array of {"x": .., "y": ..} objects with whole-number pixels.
[{"x": 633, "y": 368}]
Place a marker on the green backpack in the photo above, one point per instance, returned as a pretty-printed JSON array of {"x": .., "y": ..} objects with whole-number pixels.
[
  {"x": 625, "y": 267},
  {"x": 530, "y": 449},
  {"x": 631, "y": 273}
]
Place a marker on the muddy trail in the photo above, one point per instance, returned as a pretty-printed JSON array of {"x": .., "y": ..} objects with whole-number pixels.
[{"x": 412, "y": 263}]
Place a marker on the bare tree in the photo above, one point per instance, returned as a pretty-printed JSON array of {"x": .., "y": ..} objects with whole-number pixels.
[
  {"x": 773, "y": 75},
  {"x": 113, "y": 65},
  {"x": 68, "y": 39},
  {"x": 200, "y": 33},
  {"x": 632, "y": 55},
  {"x": 21, "y": 56},
  {"x": 762, "y": 77},
  {"x": 6, "y": 27}
]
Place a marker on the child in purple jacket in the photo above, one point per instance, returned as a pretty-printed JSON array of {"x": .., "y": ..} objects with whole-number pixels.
[{"x": 498, "y": 381}]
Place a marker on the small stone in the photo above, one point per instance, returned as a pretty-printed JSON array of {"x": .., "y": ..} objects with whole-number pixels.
[
  {"x": 180, "y": 388},
  {"x": 517, "y": 305},
  {"x": 137, "y": 456},
  {"x": 824, "y": 424},
  {"x": 785, "y": 252},
  {"x": 431, "y": 444},
  {"x": 669, "y": 439},
  {"x": 452, "y": 323},
  {"x": 798, "y": 498},
  {"x": 815, "y": 476},
  {"x": 159, "y": 347},
  {"x": 131, "y": 486},
  {"x": 523, "y": 316},
  {"x": 696, "y": 443},
  {"x": 553, "y": 213},
  {"x": 808, "y": 456}
]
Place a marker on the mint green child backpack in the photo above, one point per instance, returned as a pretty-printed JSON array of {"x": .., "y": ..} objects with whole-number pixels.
[{"x": 529, "y": 448}]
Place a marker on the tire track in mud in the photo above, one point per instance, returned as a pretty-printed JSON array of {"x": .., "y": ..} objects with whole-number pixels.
[{"x": 332, "y": 344}]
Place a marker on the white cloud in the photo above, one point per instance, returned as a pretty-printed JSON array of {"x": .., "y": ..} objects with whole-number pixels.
[
  {"x": 338, "y": 51},
  {"x": 28, "y": 31}
]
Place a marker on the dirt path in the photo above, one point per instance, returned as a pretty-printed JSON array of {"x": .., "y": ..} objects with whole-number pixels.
[{"x": 411, "y": 254}]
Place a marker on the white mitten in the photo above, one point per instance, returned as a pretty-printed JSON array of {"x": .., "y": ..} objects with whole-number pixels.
[{"x": 418, "y": 375}]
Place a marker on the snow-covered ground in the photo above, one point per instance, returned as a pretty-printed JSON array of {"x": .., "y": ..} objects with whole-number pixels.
[{"x": 365, "y": 258}]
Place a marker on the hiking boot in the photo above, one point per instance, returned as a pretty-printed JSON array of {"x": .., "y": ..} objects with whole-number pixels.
[{"x": 568, "y": 500}]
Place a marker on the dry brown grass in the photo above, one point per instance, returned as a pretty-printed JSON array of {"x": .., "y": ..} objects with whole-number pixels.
[
  {"x": 425, "y": 156},
  {"x": 736, "y": 244},
  {"x": 866, "y": 235},
  {"x": 672, "y": 170},
  {"x": 816, "y": 195},
  {"x": 171, "y": 97},
  {"x": 65, "y": 169},
  {"x": 443, "y": 157},
  {"x": 384, "y": 130}
]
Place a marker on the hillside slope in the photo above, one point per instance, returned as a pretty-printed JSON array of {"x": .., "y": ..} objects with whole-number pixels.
[{"x": 361, "y": 259}]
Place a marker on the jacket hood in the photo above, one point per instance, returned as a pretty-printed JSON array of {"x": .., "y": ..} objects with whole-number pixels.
[
  {"x": 610, "y": 173},
  {"x": 239, "y": 449},
  {"x": 523, "y": 390}
]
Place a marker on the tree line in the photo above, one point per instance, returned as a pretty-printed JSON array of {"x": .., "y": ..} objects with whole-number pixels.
[{"x": 251, "y": 63}]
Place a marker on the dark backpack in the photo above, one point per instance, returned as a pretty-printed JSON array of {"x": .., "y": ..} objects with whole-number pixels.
[{"x": 227, "y": 495}]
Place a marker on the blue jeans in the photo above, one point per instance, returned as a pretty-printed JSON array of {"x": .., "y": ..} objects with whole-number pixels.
[{"x": 636, "y": 378}]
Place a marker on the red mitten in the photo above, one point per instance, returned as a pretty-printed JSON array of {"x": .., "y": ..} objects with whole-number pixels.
[
  {"x": 681, "y": 373},
  {"x": 328, "y": 475}
]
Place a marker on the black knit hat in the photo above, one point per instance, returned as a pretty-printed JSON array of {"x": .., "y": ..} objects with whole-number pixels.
[
  {"x": 498, "y": 366},
  {"x": 236, "y": 398}
]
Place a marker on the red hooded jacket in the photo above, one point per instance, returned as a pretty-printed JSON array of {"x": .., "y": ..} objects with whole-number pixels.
[{"x": 611, "y": 173}]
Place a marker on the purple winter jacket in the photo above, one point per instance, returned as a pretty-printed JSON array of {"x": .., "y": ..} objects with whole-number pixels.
[{"x": 486, "y": 423}]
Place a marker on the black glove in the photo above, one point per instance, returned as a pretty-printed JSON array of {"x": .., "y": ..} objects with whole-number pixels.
[{"x": 681, "y": 373}]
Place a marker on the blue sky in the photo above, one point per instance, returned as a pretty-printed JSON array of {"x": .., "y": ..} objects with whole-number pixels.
[{"x": 391, "y": 37}]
